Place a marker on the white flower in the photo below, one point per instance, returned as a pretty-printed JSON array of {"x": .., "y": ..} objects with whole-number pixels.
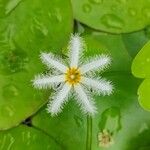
[
  {"x": 105, "y": 139},
  {"x": 74, "y": 77}
]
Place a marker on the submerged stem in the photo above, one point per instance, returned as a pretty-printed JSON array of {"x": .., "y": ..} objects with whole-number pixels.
[{"x": 89, "y": 133}]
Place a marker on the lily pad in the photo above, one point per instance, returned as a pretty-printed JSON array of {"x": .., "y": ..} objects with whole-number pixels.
[
  {"x": 115, "y": 16},
  {"x": 26, "y": 28},
  {"x": 23, "y": 137}
]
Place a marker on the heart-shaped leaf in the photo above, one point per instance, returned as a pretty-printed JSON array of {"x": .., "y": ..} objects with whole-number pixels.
[
  {"x": 141, "y": 63},
  {"x": 26, "y": 28},
  {"x": 141, "y": 69},
  {"x": 116, "y": 16},
  {"x": 144, "y": 94}
]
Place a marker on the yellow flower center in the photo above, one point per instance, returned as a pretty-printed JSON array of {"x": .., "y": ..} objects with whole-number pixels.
[{"x": 73, "y": 76}]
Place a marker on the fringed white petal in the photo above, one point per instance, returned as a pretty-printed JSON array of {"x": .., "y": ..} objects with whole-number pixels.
[
  {"x": 100, "y": 86},
  {"x": 42, "y": 81},
  {"x": 98, "y": 63},
  {"x": 75, "y": 47},
  {"x": 83, "y": 99},
  {"x": 55, "y": 106},
  {"x": 52, "y": 62}
]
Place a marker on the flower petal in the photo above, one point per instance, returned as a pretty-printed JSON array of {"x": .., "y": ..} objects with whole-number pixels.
[
  {"x": 75, "y": 47},
  {"x": 101, "y": 86},
  {"x": 99, "y": 63},
  {"x": 42, "y": 81},
  {"x": 83, "y": 99},
  {"x": 55, "y": 106},
  {"x": 49, "y": 60}
]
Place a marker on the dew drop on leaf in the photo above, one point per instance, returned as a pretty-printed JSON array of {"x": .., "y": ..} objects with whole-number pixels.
[
  {"x": 7, "y": 111},
  {"x": 58, "y": 15},
  {"x": 146, "y": 12},
  {"x": 122, "y": 1},
  {"x": 113, "y": 21},
  {"x": 86, "y": 8},
  {"x": 39, "y": 28},
  {"x": 132, "y": 12},
  {"x": 10, "y": 91},
  {"x": 13, "y": 61},
  {"x": 7, "y": 142},
  {"x": 96, "y": 1}
]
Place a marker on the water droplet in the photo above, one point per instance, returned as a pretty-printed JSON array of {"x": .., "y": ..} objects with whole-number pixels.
[
  {"x": 113, "y": 21},
  {"x": 38, "y": 27},
  {"x": 49, "y": 15},
  {"x": 96, "y": 1},
  {"x": 78, "y": 120},
  {"x": 146, "y": 12},
  {"x": 113, "y": 7},
  {"x": 87, "y": 8},
  {"x": 148, "y": 59},
  {"x": 58, "y": 15},
  {"x": 7, "y": 110},
  {"x": 10, "y": 91},
  {"x": 7, "y": 141},
  {"x": 13, "y": 61},
  {"x": 12, "y": 140},
  {"x": 28, "y": 136},
  {"x": 10, "y": 111},
  {"x": 132, "y": 12},
  {"x": 34, "y": 136},
  {"x": 122, "y": 1}
]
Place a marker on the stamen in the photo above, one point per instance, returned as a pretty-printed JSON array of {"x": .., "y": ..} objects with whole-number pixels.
[{"x": 73, "y": 76}]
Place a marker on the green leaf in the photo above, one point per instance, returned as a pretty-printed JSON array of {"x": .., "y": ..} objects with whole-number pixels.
[
  {"x": 141, "y": 63},
  {"x": 112, "y": 45},
  {"x": 141, "y": 142},
  {"x": 140, "y": 68},
  {"x": 122, "y": 110},
  {"x": 135, "y": 41},
  {"x": 26, "y": 28},
  {"x": 23, "y": 137},
  {"x": 144, "y": 94},
  {"x": 68, "y": 128},
  {"x": 116, "y": 113},
  {"x": 115, "y": 16}
]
